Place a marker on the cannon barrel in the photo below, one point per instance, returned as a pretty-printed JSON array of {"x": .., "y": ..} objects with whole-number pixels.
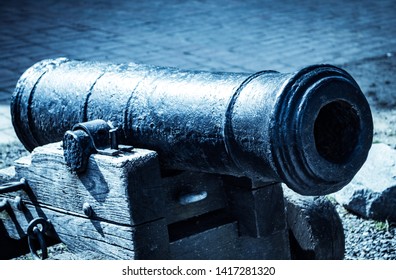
[{"x": 311, "y": 129}]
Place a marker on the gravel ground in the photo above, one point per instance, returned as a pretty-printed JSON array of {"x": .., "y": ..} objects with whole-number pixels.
[{"x": 367, "y": 239}]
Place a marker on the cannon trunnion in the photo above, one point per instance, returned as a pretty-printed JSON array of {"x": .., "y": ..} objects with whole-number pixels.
[{"x": 144, "y": 162}]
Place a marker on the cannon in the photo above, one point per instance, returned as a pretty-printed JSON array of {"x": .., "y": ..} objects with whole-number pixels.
[
  {"x": 216, "y": 146},
  {"x": 311, "y": 129}
]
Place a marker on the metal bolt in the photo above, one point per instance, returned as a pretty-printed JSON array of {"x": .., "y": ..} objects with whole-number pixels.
[
  {"x": 113, "y": 138},
  {"x": 87, "y": 208},
  {"x": 20, "y": 205}
]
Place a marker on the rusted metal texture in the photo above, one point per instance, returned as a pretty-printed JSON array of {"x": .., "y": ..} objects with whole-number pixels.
[{"x": 311, "y": 129}]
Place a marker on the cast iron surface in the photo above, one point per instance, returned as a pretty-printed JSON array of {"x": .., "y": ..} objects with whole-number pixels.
[{"x": 311, "y": 129}]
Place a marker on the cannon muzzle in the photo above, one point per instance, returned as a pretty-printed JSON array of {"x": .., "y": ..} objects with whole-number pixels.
[{"x": 311, "y": 129}]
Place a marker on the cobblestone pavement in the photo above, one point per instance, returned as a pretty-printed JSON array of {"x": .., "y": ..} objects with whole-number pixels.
[{"x": 223, "y": 35}]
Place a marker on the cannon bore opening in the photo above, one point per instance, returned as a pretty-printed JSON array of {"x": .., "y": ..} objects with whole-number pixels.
[{"x": 336, "y": 131}]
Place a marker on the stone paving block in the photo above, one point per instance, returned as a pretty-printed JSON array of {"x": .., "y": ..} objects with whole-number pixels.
[
  {"x": 5, "y": 96},
  {"x": 5, "y": 116},
  {"x": 6, "y": 76},
  {"x": 7, "y": 90},
  {"x": 18, "y": 64},
  {"x": 7, "y": 134}
]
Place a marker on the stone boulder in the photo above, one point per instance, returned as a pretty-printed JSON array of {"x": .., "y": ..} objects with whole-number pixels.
[{"x": 372, "y": 192}]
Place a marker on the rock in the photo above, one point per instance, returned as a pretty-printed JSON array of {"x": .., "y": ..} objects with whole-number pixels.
[{"x": 372, "y": 193}]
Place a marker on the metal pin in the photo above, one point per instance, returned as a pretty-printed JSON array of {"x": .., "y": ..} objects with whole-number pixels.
[
  {"x": 113, "y": 138},
  {"x": 87, "y": 208},
  {"x": 20, "y": 205}
]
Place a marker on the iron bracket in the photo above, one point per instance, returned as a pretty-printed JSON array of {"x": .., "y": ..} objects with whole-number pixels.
[{"x": 93, "y": 137}]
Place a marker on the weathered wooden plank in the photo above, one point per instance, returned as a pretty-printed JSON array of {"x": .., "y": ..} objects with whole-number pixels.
[
  {"x": 123, "y": 189},
  {"x": 259, "y": 211},
  {"x": 274, "y": 246},
  {"x": 217, "y": 243},
  {"x": 206, "y": 187},
  {"x": 147, "y": 241},
  {"x": 108, "y": 240},
  {"x": 222, "y": 241}
]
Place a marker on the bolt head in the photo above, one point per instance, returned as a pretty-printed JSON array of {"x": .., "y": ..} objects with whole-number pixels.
[
  {"x": 19, "y": 203},
  {"x": 87, "y": 209}
]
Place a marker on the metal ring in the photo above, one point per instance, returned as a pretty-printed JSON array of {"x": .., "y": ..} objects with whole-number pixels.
[
  {"x": 43, "y": 246},
  {"x": 34, "y": 232},
  {"x": 37, "y": 221}
]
